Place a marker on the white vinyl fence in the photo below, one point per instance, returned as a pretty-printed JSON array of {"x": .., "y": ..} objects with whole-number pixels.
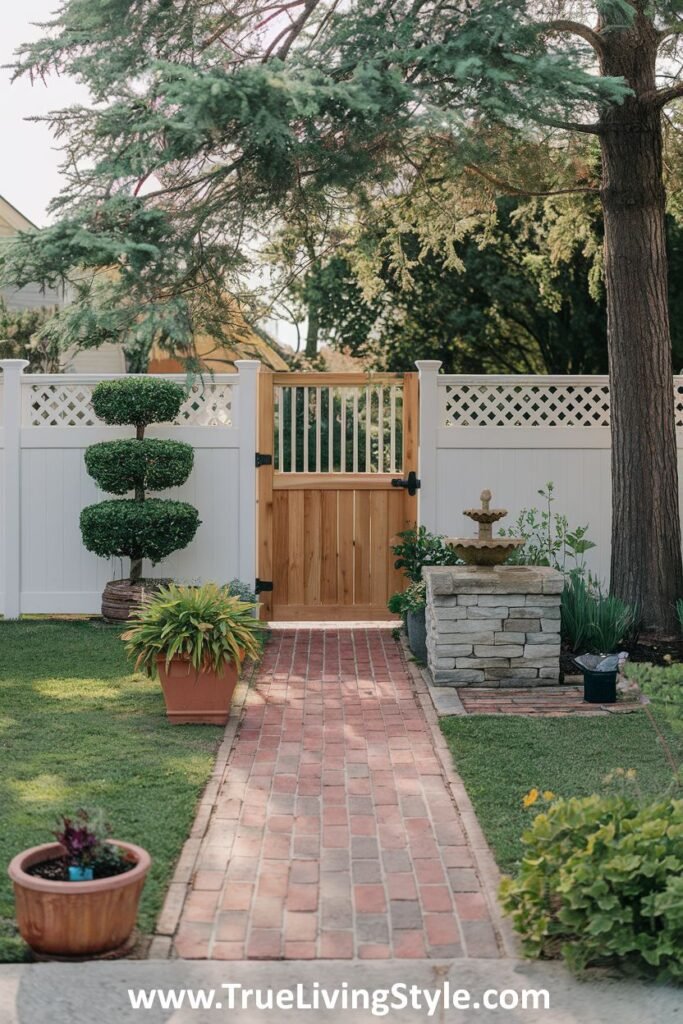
[
  {"x": 47, "y": 422},
  {"x": 513, "y": 434}
]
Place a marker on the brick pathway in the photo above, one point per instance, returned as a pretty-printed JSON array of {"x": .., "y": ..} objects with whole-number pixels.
[
  {"x": 546, "y": 701},
  {"x": 334, "y": 834}
]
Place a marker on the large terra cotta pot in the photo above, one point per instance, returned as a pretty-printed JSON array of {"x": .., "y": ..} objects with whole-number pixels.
[
  {"x": 197, "y": 697},
  {"x": 76, "y": 919}
]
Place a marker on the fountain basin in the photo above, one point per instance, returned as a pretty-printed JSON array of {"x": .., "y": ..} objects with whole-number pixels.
[{"x": 474, "y": 551}]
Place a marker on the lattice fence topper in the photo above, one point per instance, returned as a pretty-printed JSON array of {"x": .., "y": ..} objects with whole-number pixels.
[
  {"x": 527, "y": 404},
  {"x": 68, "y": 405}
]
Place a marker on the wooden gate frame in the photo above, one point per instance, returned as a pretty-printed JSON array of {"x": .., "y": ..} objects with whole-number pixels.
[{"x": 267, "y": 380}]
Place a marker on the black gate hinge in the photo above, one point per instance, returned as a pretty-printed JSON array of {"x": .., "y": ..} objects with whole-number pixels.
[
  {"x": 263, "y": 460},
  {"x": 263, "y": 585}
]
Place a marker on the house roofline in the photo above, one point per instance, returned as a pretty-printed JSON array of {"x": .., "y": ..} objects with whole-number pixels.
[{"x": 18, "y": 212}]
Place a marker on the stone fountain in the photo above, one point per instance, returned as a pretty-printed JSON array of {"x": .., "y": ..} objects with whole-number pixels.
[
  {"x": 490, "y": 624},
  {"x": 485, "y": 549}
]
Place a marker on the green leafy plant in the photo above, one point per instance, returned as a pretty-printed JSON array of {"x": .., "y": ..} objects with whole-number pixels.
[
  {"x": 612, "y": 622},
  {"x": 592, "y": 621},
  {"x": 244, "y": 591},
  {"x": 601, "y": 881},
  {"x": 417, "y": 548},
  {"x": 548, "y": 539},
  {"x": 138, "y": 527},
  {"x": 206, "y": 625},
  {"x": 576, "y": 607},
  {"x": 679, "y": 613},
  {"x": 85, "y": 835},
  {"x": 662, "y": 688},
  {"x": 413, "y": 599}
]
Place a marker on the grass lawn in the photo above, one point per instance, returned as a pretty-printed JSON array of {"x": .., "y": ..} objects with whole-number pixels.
[
  {"x": 77, "y": 728},
  {"x": 500, "y": 758}
]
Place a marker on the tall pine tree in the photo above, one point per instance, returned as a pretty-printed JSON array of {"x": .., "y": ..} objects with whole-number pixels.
[{"x": 212, "y": 123}]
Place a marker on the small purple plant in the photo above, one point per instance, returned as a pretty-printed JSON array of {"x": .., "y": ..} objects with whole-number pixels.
[{"x": 83, "y": 836}]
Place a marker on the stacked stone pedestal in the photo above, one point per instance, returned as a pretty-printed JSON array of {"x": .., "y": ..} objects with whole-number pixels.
[{"x": 493, "y": 626}]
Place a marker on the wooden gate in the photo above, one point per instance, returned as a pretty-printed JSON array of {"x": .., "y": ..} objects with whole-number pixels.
[{"x": 331, "y": 448}]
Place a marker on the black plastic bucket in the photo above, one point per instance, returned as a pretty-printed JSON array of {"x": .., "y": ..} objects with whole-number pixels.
[{"x": 599, "y": 687}]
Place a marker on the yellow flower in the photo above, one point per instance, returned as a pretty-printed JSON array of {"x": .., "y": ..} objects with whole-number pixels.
[
  {"x": 531, "y": 797},
  {"x": 548, "y": 794},
  {"x": 631, "y": 773}
]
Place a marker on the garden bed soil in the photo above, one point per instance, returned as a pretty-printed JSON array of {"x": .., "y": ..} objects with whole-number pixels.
[
  {"x": 656, "y": 648},
  {"x": 57, "y": 869}
]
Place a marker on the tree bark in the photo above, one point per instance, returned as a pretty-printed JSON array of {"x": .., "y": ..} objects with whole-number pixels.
[
  {"x": 646, "y": 564},
  {"x": 136, "y": 563},
  {"x": 313, "y": 330}
]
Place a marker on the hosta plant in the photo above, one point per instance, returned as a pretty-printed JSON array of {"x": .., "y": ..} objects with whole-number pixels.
[{"x": 207, "y": 626}]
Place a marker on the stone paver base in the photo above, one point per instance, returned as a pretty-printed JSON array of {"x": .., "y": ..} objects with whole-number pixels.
[
  {"x": 549, "y": 702},
  {"x": 334, "y": 834}
]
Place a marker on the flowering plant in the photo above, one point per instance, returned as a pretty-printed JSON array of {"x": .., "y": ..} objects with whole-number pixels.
[{"x": 83, "y": 837}]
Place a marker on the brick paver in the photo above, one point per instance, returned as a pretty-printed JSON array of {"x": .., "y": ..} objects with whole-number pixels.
[
  {"x": 545, "y": 701},
  {"x": 334, "y": 835}
]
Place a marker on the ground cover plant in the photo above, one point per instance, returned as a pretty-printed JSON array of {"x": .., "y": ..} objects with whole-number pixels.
[{"x": 77, "y": 728}]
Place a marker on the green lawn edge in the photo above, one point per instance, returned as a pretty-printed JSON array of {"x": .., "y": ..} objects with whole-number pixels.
[
  {"x": 77, "y": 727},
  {"x": 500, "y": 758}
]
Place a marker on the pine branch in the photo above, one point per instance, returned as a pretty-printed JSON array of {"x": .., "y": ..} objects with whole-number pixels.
[
  {"x": 660, "y": 97},
  {"x": 564, "y": 26},
  {"x": 572, "y": 126},
  {"x": 671, "y": 30},
  {"x": 513, "y": 190}
]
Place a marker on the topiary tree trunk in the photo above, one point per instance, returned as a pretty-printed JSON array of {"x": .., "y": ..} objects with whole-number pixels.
[{"x": 138, "y": 527}]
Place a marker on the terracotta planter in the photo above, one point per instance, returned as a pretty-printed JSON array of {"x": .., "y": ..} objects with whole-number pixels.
[
  {"x": 76, "y": 919},
  {"x": 200, "y": 698},
  {"x": 120, "y": 598}
]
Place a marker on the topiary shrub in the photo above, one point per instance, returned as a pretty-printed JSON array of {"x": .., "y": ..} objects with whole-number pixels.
[
  {"x": 138, "y": 527},
  {"x": 601, "y": 881}
]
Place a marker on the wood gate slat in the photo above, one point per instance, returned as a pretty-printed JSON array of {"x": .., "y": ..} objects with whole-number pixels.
[
  {"x": 346, "y": 553},
  {"x": 296, "y": 547},
  {"x": 379, "y": 511},
  {"x": 328, "y": 581},
  {"x": 312, "y": 535},
  {"x": 362, "y": 547}
]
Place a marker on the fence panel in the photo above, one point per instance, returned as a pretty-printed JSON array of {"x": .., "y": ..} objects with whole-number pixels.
[
  {"x": 514, "y": 434},
  {"x": 47, "y": 422}
]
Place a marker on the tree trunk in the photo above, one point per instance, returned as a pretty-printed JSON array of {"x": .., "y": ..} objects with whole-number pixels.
[
  {"x": 136, "y": 563},
  {"x": 646, "y": 540},
  {"x": 312, "y": 331}
]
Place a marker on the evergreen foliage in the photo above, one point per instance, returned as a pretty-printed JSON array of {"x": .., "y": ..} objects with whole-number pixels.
[
  {"x": 398, "y": 123},
  {"x": 138, "y": 527}
]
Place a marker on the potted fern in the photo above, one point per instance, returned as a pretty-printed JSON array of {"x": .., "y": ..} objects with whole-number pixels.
[{"x": 195, "y": 640}]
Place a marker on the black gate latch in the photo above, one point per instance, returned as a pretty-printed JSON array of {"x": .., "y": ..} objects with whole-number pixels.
[
  {"x": 411, "y": 483},
  {"x": 263, "y": 585},
  {"x": 263, "y": 460}
]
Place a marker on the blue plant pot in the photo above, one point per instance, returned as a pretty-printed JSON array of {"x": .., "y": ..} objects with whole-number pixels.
[{"x": 80, "y": 874}]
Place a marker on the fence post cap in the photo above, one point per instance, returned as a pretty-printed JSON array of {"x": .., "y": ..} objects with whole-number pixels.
[
  {"x": 13, "y": 364},
  {"x": 429, "y": 365}
]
